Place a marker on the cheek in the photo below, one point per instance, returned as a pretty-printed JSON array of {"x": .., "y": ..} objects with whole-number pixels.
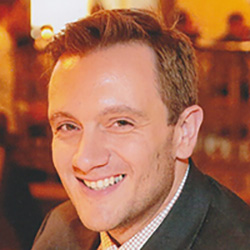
[
  {"x": 137, "y": 152},
  {"x": 62, "y": 156}
]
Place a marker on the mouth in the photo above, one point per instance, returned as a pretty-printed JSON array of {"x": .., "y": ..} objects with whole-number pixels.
[{"x": 104, "y": 183}]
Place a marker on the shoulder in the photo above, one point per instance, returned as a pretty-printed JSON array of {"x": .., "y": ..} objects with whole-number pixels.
[
  {"x": 205, "y": 216},
  {"x": 62, "y": 229},
  {"x": 228, "y": 204},
  {"x": 227, "y": 221},
  {"x": 219, "y": 198},
  {"x": 228, "y": 216},
  {"x": 64, "y": 213}
]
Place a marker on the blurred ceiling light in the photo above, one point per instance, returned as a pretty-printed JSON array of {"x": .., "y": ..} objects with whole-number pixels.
[
  {"x": 116, "y": 4},
  {"x": 54, "y": 14},
  {"x": 47, "y": 32}
]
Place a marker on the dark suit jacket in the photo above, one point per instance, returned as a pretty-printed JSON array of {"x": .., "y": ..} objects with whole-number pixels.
[{"x": 206, "y": 216}]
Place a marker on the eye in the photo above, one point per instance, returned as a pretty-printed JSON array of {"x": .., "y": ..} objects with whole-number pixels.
[
  {"x": 122, "y": 123},
  {"x": 121, "y": 126},
  {"x": 66, "y": 127}
]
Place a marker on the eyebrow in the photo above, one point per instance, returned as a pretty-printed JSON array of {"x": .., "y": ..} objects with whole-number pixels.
[
  {"x": 60, "y": 114},
  {"x": 120, "y": 109}
]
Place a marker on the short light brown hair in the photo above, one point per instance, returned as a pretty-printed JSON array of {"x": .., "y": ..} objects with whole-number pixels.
[{"x": 175, "y": 59}]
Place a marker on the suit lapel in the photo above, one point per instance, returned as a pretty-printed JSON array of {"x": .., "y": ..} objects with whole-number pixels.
[{"x": 181, "y": 226}]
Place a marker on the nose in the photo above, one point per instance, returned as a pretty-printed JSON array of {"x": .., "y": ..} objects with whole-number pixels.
[{"x": 91, "y": 152}]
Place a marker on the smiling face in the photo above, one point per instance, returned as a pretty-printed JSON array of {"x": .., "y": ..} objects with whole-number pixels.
[{"x": 112, "y": 146}]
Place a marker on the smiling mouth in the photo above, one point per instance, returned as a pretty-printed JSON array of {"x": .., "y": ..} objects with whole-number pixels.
[{"x": 103, "y": 184}]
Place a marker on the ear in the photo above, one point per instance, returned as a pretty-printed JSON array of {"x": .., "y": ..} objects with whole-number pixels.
[{"x": 186, "y": 131}]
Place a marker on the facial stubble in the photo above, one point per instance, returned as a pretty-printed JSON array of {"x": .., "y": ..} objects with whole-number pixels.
[{"x": 154, "y": 204}]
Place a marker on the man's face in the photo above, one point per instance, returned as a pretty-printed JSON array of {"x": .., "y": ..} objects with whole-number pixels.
[{"x": 112, "y": 146}]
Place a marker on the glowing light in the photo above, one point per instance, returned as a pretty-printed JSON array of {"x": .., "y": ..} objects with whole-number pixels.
[
  {"x": 114, "y": 4},
  {"x": 47, "y": 32},
  {"x": 55, "y": 13}
]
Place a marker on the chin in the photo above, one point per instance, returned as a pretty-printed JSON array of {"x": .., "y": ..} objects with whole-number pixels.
[
  {"x": 95, "y": 220},
  {"x": 96, "y": 224}
]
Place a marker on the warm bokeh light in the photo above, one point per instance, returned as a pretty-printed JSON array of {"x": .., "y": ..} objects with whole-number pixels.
[
  {"x": 211, "y": 16},
  {"x": 47, "y": 32},
  {"x": 112, "y": 4},
  {"x": 56, "y": 13}
]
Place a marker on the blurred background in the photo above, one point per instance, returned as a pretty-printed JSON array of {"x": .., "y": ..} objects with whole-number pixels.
[{"x": 29, "y": 186}]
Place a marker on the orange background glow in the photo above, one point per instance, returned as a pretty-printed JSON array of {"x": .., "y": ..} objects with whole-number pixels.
[{"x": 211, "y": 15}]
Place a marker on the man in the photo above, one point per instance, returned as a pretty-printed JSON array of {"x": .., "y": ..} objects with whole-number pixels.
[{"x": 123, "y": 112}]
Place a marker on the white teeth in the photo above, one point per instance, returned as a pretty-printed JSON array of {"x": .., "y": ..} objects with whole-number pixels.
[
  {"x": 102, "y": 184},
  {"x": 99, "y": 184},
  {"x": 111, "y": 181},
  {"x": 92, "y": 185},
  {"x": 106, "y": 182}
]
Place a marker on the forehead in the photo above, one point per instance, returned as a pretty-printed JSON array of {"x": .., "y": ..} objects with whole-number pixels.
[
  {"x": 113, "y": 57},
  {"x": 124, "y": 72}
]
